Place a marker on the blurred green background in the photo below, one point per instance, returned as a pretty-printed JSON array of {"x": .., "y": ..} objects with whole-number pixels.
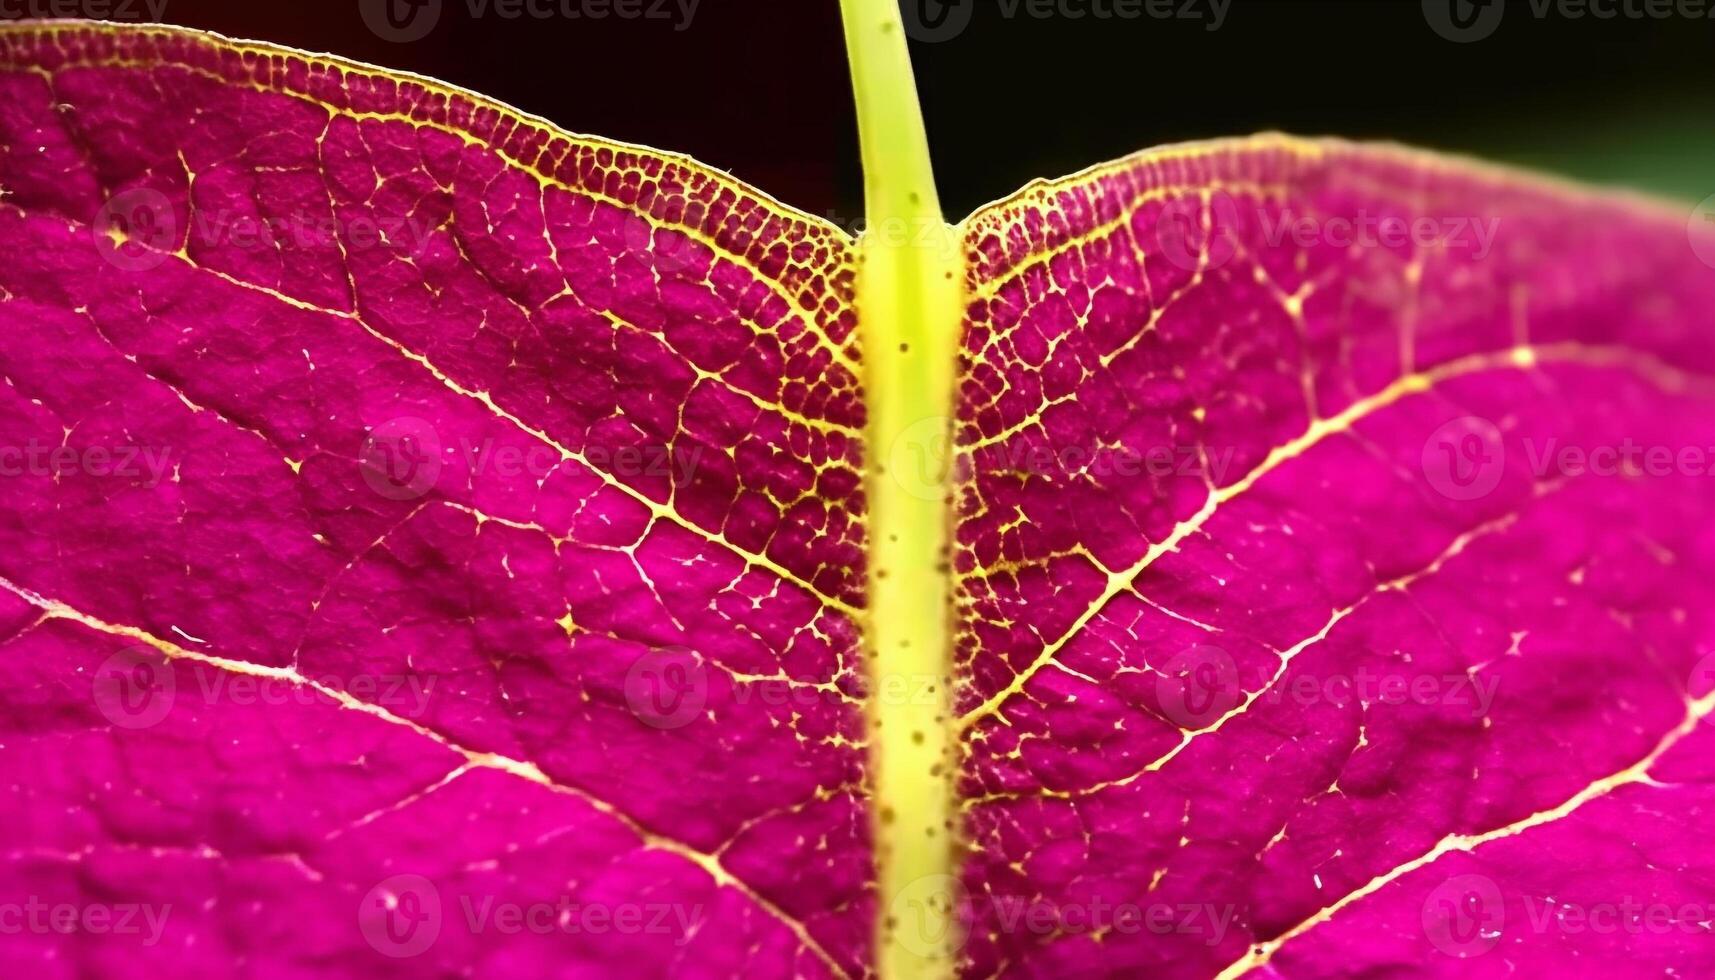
[{"x": 1628, "y": 100}]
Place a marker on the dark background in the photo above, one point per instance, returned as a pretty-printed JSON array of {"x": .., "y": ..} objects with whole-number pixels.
[{"x": 759, "y": 87}]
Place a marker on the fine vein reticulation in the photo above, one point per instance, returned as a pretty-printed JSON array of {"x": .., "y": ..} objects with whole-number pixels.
[
  {"x": 627, "y": 388},
  {"x": 1264, "y": 667},
  {"x": 1176, "y": 569}
]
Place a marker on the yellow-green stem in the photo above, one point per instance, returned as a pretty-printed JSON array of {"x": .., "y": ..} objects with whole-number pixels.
[{"x": 910, "y": 300}]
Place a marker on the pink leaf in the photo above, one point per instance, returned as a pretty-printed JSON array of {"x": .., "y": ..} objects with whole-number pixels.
[{"x": 1336, "y": 536}]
